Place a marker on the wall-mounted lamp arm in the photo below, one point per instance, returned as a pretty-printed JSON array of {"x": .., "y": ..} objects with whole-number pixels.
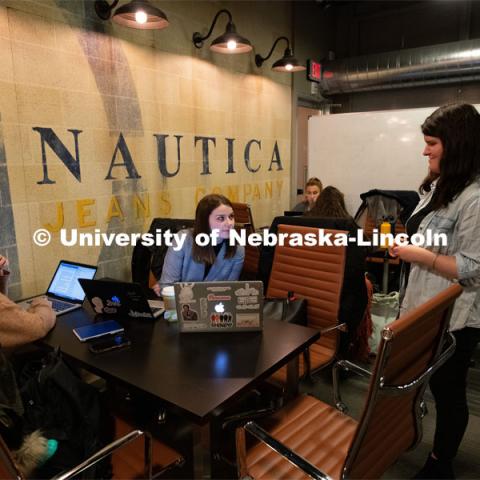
[
  {"x": 104, "y": 9},
  {"x": 197, "y": 37},
  {"x": 259, "y": 59}
]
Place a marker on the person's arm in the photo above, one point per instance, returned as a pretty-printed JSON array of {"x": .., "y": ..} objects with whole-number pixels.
[
  {"x": 445, "y": 265},
  {"x": 468, "y": 240},
  {"x": 3, "y": 263},
  {"x": 172, "y": 266},
  {"x": 4, "y": 274},
  {"x": 20, "y": 327},
  {"x": 300, "y": 207},
  {"x": 237, "y": 264},
  {"x": 465, "y": 263}
]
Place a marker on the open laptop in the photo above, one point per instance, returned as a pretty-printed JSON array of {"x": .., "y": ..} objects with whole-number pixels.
[
  {"x": 64, "y": 291},
  {"x": 112, "y": 298},
  {"x": 219, "y": 306}
]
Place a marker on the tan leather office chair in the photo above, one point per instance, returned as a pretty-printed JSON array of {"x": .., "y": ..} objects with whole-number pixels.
[
  {"x": 243, "y": 213},
  {"x": 252, "y": 254},
  {"x": 244, "y": 221},
  {"x": 314, "y": 273},
  {"x": 328, "y": 443}
]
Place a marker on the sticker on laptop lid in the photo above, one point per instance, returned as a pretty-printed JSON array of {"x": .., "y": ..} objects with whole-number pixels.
[
  {"x": 248, "y": 320},
  {"x": 186, "y": 293},
  {"x": 248, "y": 298},
  {"x": 221, "y": 319},
  {"x": 219, "y": 288},
  {"x": 111, "y": 307},
  {"x": 188, "y": 314}
]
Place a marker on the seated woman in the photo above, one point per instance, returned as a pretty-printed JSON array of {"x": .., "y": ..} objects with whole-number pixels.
[
  {"x": 19, "y": 327},
  {"x": 195, "y": 263},
  {"x": 330, "y": 204},
  {"x": 313, "y": 188}
]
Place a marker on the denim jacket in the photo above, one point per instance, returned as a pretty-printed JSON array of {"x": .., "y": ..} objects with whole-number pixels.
[
  {"x": 460, "y": 221},
  {"x": 179, "y": 266}
]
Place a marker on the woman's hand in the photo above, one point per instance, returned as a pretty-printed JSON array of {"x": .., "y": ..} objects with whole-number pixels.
[
  {"x": 41, "y": 301},
  {"x": 3, "y": 262},
  {"x": 157, "y": 289},
  {"x": 412, "y": 254},
  {"x": 445, "y": 265}
]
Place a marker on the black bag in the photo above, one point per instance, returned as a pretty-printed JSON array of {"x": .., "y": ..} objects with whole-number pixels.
[
  {"x": 64, "y": 408},
  {"x": 290, "y": 310},
  {"x": 11, "y": 406}
]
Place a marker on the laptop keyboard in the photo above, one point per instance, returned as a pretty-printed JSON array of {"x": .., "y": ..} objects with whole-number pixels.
[{"x": 59, "y": 306}]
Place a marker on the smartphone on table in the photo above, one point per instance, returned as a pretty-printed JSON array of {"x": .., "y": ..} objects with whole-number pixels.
[{"x": 109, "y": 343}]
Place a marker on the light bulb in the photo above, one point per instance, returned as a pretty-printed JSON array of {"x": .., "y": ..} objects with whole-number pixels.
[
  {"x": 231, "y": 44},
  {"x": 288, "y": 66},
  {"x": 140, "y": 16}
]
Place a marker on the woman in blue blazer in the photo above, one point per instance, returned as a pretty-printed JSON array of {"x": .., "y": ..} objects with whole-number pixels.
[{"x": 193, "y": 262}]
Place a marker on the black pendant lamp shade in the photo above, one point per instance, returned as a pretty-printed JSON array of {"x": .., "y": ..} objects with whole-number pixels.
[
  {"x": 288, "y": 63},
  {"x": 140, "y": 14},
  {"x": 230, "y": 42}
]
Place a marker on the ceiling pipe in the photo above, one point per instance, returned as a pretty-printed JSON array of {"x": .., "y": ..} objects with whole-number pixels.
[{"x": 437, "y": 64}]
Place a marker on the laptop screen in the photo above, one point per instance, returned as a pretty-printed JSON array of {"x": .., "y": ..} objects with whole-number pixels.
[{"x": 65, "y": 281}]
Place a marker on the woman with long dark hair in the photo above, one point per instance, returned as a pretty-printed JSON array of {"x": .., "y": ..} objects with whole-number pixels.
[
  {"x": 330, "y": 204},
  {"x": 450, "y": 205},
  {"x": 217, "y": 260}
]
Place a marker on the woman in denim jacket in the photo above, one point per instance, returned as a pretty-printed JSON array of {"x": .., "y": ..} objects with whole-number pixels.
[
  {"x": 215, "y": 261},
  {"x": 451, "y": 205}
]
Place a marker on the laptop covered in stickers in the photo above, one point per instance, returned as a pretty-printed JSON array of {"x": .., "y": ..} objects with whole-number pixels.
[{"x": 219, "y": 306}]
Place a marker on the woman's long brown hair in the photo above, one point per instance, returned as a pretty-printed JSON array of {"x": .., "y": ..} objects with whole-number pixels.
[
  {"x": 329, "y": 204},
  {"x": 458, "y": 127},
  {"x": 204, "y": 208}
]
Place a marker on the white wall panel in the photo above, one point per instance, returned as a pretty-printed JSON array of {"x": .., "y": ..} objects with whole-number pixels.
[{"x": 356, "y": 152}]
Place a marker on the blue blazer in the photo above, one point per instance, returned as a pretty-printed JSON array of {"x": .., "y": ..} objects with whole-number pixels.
[{"x": 179, "y": 266}]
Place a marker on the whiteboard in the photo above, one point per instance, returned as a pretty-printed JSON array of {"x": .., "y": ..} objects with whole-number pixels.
[{"x": 357, "y": 152}]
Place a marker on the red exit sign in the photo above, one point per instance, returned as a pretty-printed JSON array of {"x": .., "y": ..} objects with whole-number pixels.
[{"x": 314, "y": 71}]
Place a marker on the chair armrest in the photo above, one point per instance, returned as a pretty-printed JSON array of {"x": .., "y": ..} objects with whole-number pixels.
[
  {"x": 342, "y": 327},
  {"x": 352, "y": 367},
  {"x": 244, "y": 416},
  {"x": 276, "y": 446},
  {"x": 110, "y": 448}
]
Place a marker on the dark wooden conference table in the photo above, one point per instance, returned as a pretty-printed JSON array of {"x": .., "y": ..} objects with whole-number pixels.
[{"x": 193, "y": 374}]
